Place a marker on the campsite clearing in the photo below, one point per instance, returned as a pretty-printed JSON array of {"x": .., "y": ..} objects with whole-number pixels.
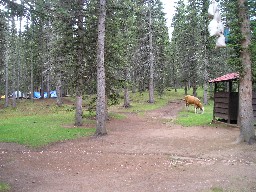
[{"x": 140, "y": 153}]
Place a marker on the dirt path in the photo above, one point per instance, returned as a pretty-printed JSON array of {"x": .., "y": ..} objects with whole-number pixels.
[{"x": 141, "y": 153}]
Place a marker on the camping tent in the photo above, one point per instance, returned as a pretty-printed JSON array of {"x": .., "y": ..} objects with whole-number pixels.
[
  {"x": 53, "y": 94},
  {"x": 37, "y": 95},
  {"x": 18, "y": 94}
]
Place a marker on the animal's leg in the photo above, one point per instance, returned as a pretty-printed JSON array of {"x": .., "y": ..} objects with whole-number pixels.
[
  {"x": 195, "y": 109},
  {"x": 186, "y": 106}
]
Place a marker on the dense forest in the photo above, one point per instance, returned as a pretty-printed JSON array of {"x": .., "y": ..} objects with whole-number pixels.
[{"x": 55, "y": 45}]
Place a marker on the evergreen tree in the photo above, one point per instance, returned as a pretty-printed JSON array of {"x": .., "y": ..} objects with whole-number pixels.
[
  {"x": 151, "y": 56},
  {"x": 178, "y": 44},
  {"x": 161, "y": 46},
  {"x": 80, "y": 62},
  {"x": 2, "y": 46},
  {"x": 120, "y": 41},
  {"x": 195, "y": 57},
  {"x": 101, "y": 81},
  {"x": 247, "y": 131},
  {"x": 238, "y": 19}
]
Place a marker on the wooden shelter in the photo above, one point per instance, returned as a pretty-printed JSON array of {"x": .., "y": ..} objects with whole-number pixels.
[{"x": 226, "y": 98}]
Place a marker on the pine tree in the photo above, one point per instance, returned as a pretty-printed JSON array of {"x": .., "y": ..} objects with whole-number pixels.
[
  {"x": 3, "y": 64},
  {"x": 80, "y": 62},
  {"x": 2, "y": 43},
  {"x": 161, "y": 46},
  {"x": 247, "y": 131},
  {"x": 101, "y": 96},
  {"x": 151, "y": 56},
  {"x": 179, "y": 43},
  {"x": 237, "y": 16}
]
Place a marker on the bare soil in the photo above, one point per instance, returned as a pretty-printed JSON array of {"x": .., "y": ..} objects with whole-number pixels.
[{"x": 140, "y": 153}]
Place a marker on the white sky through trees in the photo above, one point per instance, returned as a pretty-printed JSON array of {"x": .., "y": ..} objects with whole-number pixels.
[{"x": 169, "y": 9}]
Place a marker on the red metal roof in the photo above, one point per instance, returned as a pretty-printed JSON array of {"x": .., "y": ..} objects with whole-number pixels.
[{"x": 226, "y": 77}]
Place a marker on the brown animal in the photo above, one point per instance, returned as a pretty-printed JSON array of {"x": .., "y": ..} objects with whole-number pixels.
[{"x": 192, "y": 100}]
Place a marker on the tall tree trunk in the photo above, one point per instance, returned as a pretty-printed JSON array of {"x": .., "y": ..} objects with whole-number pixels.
[
  {"x": 79, "y": 109},
  {"x": 19, "y": 62},
  {"x": 126, "y": 97},
  {"x": 31, "y": 61},
  {"x": 42, "y": 80},
  {"x": 3, "y": 54},
  {"x": 42, "y": 83},
  {"x": 32, "y": 75},
  {"x": 194, "y": 88},
  {"x": 6, "y": 103},
  {"x": 174, "y": 77},
  {"x": 205, "y": 87},
  {"x": 13, "y": 64},
  {"x": 4, "y": 57},
  {"x": 247, "y": 132},
  {"x": 151, "y": 58},
  {"x": 80, "y": 58},
  {"x": 205, "y": 54},
  {"x": 126, "y": 93},
  {"x": 101, "y": 99},
  {"x": 206, "y": 63},
  {"x": 14, "y": 104},
  {"x": 126, "y": 90},
  {"x": 186, "y": 88},
  {"x": 41, "y": 59},
  {"x": 58, "y": 90},
  {"x": 32, "y": 78},
  {"x": 48, "y": 83}
]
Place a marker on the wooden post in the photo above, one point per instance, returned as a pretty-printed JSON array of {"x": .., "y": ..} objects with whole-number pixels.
[
  {"x": 215, "y": 89},
  {"x": 229, "y": 99}
]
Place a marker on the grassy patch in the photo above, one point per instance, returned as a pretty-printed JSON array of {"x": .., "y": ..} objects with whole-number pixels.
[
  {"x": 39, "y": 124},
  {"x": 216, "y": 189},
  {"x": 39, "y": 130},
  {"x": 116, "y": 116},
  {"x": 4, "y": 187},
  {"x": 189, "y": 118},
  {"x": 139, "y": 101}
]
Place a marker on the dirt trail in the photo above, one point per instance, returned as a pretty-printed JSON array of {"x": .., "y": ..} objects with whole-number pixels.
[{"x": 141, "y": 153}]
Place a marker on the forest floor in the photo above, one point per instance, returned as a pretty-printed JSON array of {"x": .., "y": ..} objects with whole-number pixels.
[{"x": 141, "y": 153}]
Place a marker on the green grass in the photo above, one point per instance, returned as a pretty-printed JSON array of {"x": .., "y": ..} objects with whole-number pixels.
[
  {"x": 139, "y": 102},
  {"x": 189, "y": 118},
  {"x": 216, "y": 189},
  {"x": 4, "y": 187},
  {"x": 39, "y": 130},
  {"x": 40, "y": 123},
  {"x": 37, "y": 124},
  {"x": 116, "y": 115}
]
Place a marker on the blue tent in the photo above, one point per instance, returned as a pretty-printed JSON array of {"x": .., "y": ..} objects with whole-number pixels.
[
  {"x": 226, "y": 34},
  {"x": 37, "y": 95},
  {"x": 53, "y": 94}
]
